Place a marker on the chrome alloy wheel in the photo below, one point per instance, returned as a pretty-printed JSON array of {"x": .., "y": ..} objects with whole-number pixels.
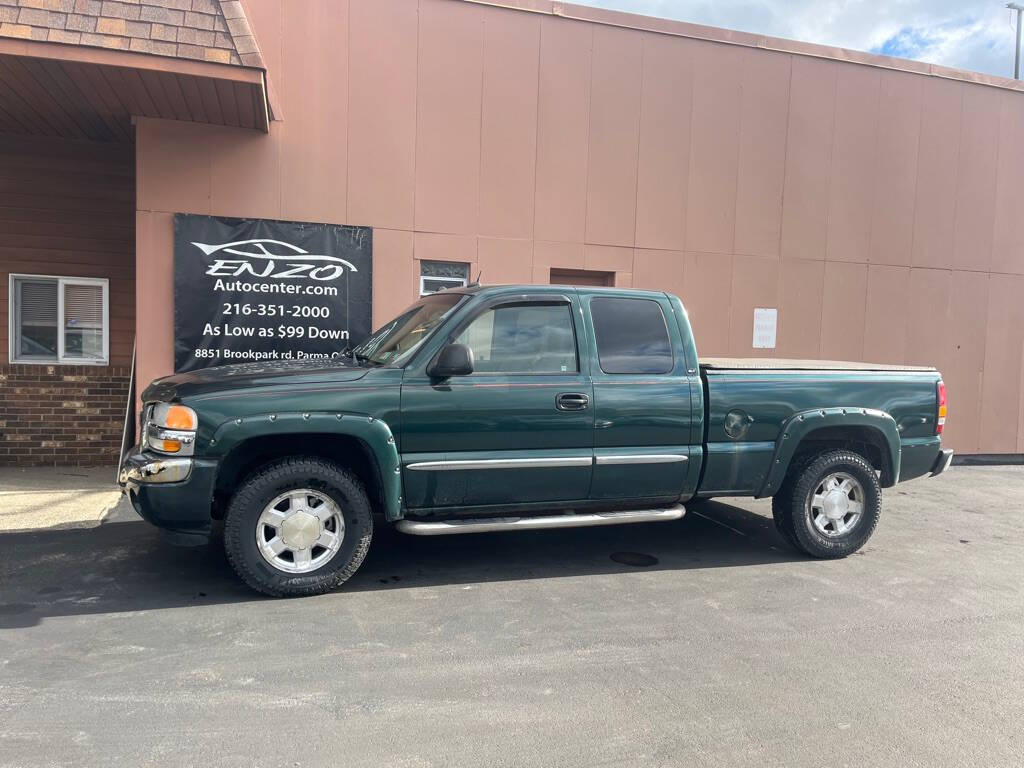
[
  {"x": 300, "y": 530},
  {"x": 836, "y": 504}
]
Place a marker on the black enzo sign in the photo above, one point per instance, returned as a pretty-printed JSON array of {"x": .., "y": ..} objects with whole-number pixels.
[{"x": 249, "y": 290}]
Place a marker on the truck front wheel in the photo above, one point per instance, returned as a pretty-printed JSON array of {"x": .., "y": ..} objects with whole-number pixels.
[
  {"x": 829, "y": 507},
  {"x": 299, "y": 526}
]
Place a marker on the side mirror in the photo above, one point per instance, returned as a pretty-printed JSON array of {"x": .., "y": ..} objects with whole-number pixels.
[{"x": 453, "y": 360}]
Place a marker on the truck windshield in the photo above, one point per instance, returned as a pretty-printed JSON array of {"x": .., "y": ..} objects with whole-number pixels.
[{"x": 396, "y": 340}]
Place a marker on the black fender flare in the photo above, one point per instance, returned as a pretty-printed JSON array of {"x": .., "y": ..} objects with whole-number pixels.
[
  {"x": 374, "y": 433},
  {"x": 805, "y": 422}
]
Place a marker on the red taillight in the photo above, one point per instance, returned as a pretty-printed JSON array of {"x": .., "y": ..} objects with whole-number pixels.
[{"x": 940, "y": 422}]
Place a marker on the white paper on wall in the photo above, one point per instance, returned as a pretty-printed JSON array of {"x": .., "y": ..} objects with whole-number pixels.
[{"x": 765, "y": 324}]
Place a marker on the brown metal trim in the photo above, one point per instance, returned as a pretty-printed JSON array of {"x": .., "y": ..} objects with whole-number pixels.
[
  {"x": 144, "y": 84},
  {"x": 190, "y": 90},
  {"x": 228, "y": 105},
  {"x": 96, "y": 89},
  {"x": 38, "y": 49}
]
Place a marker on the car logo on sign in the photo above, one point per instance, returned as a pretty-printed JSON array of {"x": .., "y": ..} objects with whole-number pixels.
[{"x": 272, "y": 259}]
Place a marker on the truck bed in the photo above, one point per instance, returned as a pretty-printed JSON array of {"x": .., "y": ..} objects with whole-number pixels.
[
  {"x": 782, "y": 364},
  {"x": 749, "y": 403}
]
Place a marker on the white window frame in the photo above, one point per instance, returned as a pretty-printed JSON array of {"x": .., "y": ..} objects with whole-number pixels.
[
  {"x": 62, "y": 280},
  {"x": 453, "y": 282},
  {"x": 462, "y": 283}
]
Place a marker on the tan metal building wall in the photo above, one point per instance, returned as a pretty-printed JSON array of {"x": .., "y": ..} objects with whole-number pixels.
[{"x": 876, "y": 203}]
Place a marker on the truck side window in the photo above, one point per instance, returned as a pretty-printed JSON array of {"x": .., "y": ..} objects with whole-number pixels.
[
  {"x": 631, "y": 336},
  {"x": 523, "y": 338}
]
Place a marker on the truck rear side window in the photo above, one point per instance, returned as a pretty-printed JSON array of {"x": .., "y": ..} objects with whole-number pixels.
[{"x": 631, "y": 336}]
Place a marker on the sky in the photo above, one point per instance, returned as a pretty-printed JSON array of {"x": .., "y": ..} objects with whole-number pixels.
[{"x": 967, "y": 34}]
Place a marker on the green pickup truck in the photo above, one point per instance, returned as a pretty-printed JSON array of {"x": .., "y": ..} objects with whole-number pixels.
[{"x": 520, "y": 407}]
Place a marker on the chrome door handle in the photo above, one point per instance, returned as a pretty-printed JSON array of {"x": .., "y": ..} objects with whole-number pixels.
[{"x": 572, "y": 401}]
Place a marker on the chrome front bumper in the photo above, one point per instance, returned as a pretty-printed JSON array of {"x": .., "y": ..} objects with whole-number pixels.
[
  {"x": 172, "y": 492},
  {"x": 142, "y": 468}
]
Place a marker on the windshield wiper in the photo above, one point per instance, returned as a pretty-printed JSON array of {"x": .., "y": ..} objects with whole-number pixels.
[
  {"x": 351, "y": 352},
  {"x": 358, "y": 357}
]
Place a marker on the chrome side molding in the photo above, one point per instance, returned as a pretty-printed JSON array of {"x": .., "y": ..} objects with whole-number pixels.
[
  {"x": 548, "y": 461},
  {"x": 649, "y": 458},
  {"x": 457, "y": 464},
  {"x": 486, "y": 525}
]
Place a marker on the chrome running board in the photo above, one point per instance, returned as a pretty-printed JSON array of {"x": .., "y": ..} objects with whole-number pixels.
[{"x": 486, "y": 525}]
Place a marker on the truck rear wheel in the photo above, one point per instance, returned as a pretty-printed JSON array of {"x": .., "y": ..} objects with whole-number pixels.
[
  {"x": 299, "y": 526},
  {"x": 829, "y": 506}
]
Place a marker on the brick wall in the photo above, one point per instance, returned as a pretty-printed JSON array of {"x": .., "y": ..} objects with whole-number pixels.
[{"x": 61, "y": 414}]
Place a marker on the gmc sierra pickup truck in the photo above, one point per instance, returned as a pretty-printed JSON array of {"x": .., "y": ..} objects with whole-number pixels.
[{"x": 520, "y": 407}]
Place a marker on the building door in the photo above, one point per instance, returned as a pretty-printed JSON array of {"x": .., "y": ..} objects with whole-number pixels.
[
  {"x": 584, "y": 277},
  {"x": 519, "y": 427}
]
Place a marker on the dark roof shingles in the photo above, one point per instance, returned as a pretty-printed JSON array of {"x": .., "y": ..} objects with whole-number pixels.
[{"x": 207, "y": 30}]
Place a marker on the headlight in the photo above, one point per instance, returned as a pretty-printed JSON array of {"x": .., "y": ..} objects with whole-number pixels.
[{"x": 171, "y": 428}]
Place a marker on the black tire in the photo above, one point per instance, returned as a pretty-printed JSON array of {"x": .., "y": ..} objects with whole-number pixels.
[
  {"x": 781, "y": 502},
  {"x": 783, "y": 499},
  {"x": 265, "y": 484},
  {"x": 791, "y": 511}
]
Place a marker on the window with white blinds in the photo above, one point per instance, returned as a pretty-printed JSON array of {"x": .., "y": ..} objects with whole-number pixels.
[
  {"x": 36, "y": 319},
  {"x": 58, "y": 319}
]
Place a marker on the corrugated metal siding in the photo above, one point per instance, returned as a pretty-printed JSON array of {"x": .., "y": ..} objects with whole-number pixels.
[
  {"x": 68, "y": 208},
  {"x": 878, "y": 210}
]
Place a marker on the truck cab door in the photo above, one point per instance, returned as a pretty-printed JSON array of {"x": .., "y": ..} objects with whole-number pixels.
[
  {"x": 643, "y": 436},
  {"x": 519, "y": 429}
]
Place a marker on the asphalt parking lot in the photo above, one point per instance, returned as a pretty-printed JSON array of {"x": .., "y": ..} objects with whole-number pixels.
[{"x": 534, "y": 648}]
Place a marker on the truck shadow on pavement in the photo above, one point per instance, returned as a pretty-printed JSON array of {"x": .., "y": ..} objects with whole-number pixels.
[{"x": 125, "y": 567}]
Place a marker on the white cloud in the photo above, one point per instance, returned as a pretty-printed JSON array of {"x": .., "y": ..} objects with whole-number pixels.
[{"x": 977, "y": 35}]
